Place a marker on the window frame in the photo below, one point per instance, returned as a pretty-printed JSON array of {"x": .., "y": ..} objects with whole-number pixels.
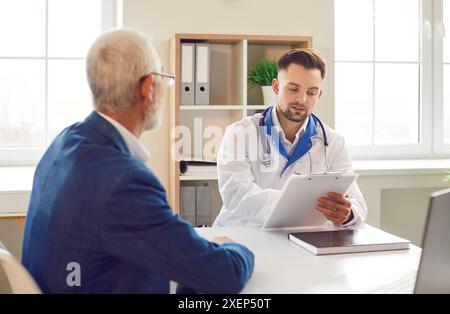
[
  {"x": 440, "y": 148},
  {"x": 111, "y": 17},
  {"x": 430, "y": 143}
]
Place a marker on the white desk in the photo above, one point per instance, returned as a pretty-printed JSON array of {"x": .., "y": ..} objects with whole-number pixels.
[{"x": 281, "y": 266}]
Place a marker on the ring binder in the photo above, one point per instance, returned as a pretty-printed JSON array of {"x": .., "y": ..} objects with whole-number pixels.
[
  {"x": 202, "y": 74},
  {"x": 187, "y": 92}
]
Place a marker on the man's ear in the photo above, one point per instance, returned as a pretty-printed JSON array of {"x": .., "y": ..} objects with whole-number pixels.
[
  {"x": 275, "y": 86},
  {"x": 320, "y": 94},
  {"x": 146, "y": 89}
]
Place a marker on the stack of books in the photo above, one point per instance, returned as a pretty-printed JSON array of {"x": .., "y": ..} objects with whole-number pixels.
[{"x": 348, "y": 241}]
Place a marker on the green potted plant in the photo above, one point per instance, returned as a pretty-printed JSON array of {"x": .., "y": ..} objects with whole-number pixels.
[{"x": 262, "y": 74}]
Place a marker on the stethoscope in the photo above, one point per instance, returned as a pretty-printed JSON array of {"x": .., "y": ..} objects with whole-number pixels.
[{"x": 266, "y": 159}]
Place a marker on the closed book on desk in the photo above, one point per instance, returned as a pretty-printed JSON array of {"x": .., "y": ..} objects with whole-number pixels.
[{"x": 348, "y": 241}]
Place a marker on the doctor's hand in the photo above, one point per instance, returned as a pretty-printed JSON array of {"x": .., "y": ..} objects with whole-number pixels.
[{"x": 335, "y": 207}]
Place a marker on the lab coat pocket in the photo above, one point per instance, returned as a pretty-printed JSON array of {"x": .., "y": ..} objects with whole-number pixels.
[
  {"x": 319, "y": 166},
  {"x": 317, "y": 160}
]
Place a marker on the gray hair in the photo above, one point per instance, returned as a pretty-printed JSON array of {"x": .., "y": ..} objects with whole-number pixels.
[{"x": 115, "y": 63}]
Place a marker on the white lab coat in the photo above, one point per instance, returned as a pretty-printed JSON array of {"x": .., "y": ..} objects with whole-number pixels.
[{"x": 249, "y": 190}]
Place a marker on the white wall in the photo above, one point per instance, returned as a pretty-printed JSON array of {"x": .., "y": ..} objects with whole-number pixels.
[
  {"x": 408, "y": 219},
  {"x": 163, "y": 18},
  {"x": 398, "y": 202}
]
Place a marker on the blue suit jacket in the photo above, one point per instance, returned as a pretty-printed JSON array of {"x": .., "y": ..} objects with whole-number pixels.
[{"x": 94, "y": 204}]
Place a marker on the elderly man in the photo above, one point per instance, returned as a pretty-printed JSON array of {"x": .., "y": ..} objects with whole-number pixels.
[{"x": 98, "y": 219}]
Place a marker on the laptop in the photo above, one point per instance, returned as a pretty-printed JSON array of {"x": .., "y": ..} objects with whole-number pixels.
[{"x": 434, "y": 269}]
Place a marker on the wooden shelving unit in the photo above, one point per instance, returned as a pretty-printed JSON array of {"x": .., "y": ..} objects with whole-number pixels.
[
  {"x": 230, "y": 99},
  {"x": 212, "y": 107}
]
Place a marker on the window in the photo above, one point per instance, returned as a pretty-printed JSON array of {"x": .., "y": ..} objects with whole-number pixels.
[
  {"x": 442, "y": 42},
  {"x": 42, "y": 70},
  {"x": 389, "y": 75}
]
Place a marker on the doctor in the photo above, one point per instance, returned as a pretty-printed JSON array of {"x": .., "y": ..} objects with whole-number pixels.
[{"x": 259, "y": 153}]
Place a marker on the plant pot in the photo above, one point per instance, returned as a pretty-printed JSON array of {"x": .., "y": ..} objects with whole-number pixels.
[{"x": 270, "y": 99}]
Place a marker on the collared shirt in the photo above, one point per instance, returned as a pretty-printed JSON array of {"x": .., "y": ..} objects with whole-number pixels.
[
  {"x": 137, "y": 150},
  {"x": 287, "y": 144}
]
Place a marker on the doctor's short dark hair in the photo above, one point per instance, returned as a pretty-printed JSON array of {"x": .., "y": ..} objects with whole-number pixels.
[{"x": 307, "y": 57}]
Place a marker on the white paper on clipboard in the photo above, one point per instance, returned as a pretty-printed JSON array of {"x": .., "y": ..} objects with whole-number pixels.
[{"x": 296, "y": 206}]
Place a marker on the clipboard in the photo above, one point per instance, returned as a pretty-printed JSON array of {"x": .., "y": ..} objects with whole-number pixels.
[{"x": 296, "y": 205}]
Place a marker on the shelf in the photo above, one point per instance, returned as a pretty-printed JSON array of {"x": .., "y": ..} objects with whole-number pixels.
[
  {"x": 230, "y": 99},
  {"x": 221, "y": 107},
  {"x": 296, "y": 41},
  {"x": 257, "y": 107},
  {"x": 204, "y": 177},
  {"x": 211, "y": 107}
]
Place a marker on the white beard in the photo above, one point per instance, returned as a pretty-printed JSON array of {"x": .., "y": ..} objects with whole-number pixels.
[{"x": 154, "y": 121}]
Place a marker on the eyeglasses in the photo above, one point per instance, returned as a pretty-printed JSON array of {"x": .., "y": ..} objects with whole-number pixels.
[{"x": 168, "y": 79}]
